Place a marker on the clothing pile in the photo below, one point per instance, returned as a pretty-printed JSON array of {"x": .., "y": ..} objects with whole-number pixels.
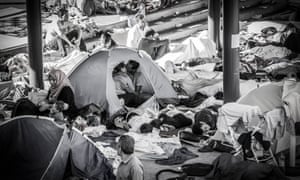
[{"x": 269, "y": 48}]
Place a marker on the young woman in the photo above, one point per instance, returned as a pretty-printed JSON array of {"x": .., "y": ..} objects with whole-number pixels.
[
  {"x": 125, "y": 88},
  {"x": 60, "y": 90}
]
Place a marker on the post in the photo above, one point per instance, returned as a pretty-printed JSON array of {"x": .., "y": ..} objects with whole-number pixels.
[
  {"x": 33, "y": 9},
  {"x": 214, "y": 11},
  {"x": 231, "y": 58}
]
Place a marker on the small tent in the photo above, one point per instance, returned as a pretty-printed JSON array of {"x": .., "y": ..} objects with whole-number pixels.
[
  {"x": 93, "y": 83},
  {"x": 37, "y": 148}
]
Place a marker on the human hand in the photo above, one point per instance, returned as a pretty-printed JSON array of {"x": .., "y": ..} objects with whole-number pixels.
[
  {"x": 77, "y": 43},
  {"x": 43, "y": 106}
]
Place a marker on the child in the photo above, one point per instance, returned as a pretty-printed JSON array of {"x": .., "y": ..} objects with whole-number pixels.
[
  {"x": 56, "y": 110},
  {"x": 131, "y": 167}
]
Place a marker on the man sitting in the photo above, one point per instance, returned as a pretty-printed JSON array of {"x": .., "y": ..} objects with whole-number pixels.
[
  {"x": 125, "y": 88},
  {"x": 137, "y": 32},
  {"x": 155, "y": 47},
  {"x": 63, "y": 33}
]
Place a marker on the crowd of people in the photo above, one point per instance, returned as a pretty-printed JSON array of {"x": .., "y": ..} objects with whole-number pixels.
[{"x": 64, "y": 36}]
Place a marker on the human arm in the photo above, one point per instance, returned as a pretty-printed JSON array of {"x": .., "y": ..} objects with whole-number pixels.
[
  {"x": 44, "y": 105},
  {"x": 128, "y": 87},
  {"x": 79, "y": 31},
  {"x": 158, "y": 43},
  {"x": 67, "y": 96},
  {"x": 61, "y": 32}
]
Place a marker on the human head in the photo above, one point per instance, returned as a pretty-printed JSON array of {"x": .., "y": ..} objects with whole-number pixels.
[
  {"x": 150, "y": 33},
  {"x": 56, "y": 77},
  {"x": 106, "y": 39},
  {"x": 132, "y": 66},
  {"x": 18, "y": 64},
  {"x": 120, "y": 67},
  {"x": 63, "y": 14},
  {"x": 126, "y": 145}
]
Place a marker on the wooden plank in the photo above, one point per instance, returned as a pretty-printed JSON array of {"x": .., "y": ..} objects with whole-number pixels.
[
  {"x": 180, "y": 21},
  {"x": 12, "y": 44},
  {"x": 168, "y": 12},
  {"x": 186, "y": 31},
  {"x": 7, "y": 12},
  {"x": 176, "y": 10},
  {"x": 263, "y": 10},
  {"x": 249, "y": 3},
  {"x": 180, "y": 34}
]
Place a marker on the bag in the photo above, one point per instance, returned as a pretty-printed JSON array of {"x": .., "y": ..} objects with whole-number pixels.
[
  {"x": 37, "y": 97},
  {"x": 194, "y": 170}
]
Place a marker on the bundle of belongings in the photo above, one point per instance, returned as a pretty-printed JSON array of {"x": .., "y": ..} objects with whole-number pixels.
[
  {"x": 259, "y": 120},
  {"x": 226, "y": 167},
  {"x": 269, "y": 51},
  {"x": 247, "y": 131}
]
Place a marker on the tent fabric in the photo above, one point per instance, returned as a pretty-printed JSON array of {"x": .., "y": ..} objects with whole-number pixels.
[
  {"x": 93, "y": 83},
  {"x": 37, "y": 148},
  {"x": 267, "y": 97},
  {"x": 27, "y": 146}
]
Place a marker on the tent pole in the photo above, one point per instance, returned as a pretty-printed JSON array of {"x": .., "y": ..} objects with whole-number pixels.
[
  {"x": 33, "y": 9},
  {"x": 231, "y": 50},
  {"x": 214, "y": 8}
]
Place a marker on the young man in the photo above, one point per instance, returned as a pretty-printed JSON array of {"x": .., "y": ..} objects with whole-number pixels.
[
  {"x": 64, "y": 33},
  {"x": 125, "y": 88},
  {"x": 137, "y": 32},
  {"x": 131, "y": 167},
  {"x": 153, "y": 45}
]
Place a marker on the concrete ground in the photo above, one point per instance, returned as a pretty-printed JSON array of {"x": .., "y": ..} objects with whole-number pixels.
[{"x": 151, "y": 168}]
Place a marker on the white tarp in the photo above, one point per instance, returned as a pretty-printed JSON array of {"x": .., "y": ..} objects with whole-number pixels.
[{"x": 192, "y": 47}]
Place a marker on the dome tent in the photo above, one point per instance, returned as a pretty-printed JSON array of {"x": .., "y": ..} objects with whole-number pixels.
[
  {"x": 93, "y": 82},
  {"x": 37, "y": 148}
]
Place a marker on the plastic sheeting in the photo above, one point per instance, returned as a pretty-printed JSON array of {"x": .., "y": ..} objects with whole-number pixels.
[{"x": 192, "y": 47}]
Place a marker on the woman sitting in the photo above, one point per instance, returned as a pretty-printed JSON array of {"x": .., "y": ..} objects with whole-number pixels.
[
  {"x": 60, "y": 90},
  {"x": 60, "y": 98}
]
